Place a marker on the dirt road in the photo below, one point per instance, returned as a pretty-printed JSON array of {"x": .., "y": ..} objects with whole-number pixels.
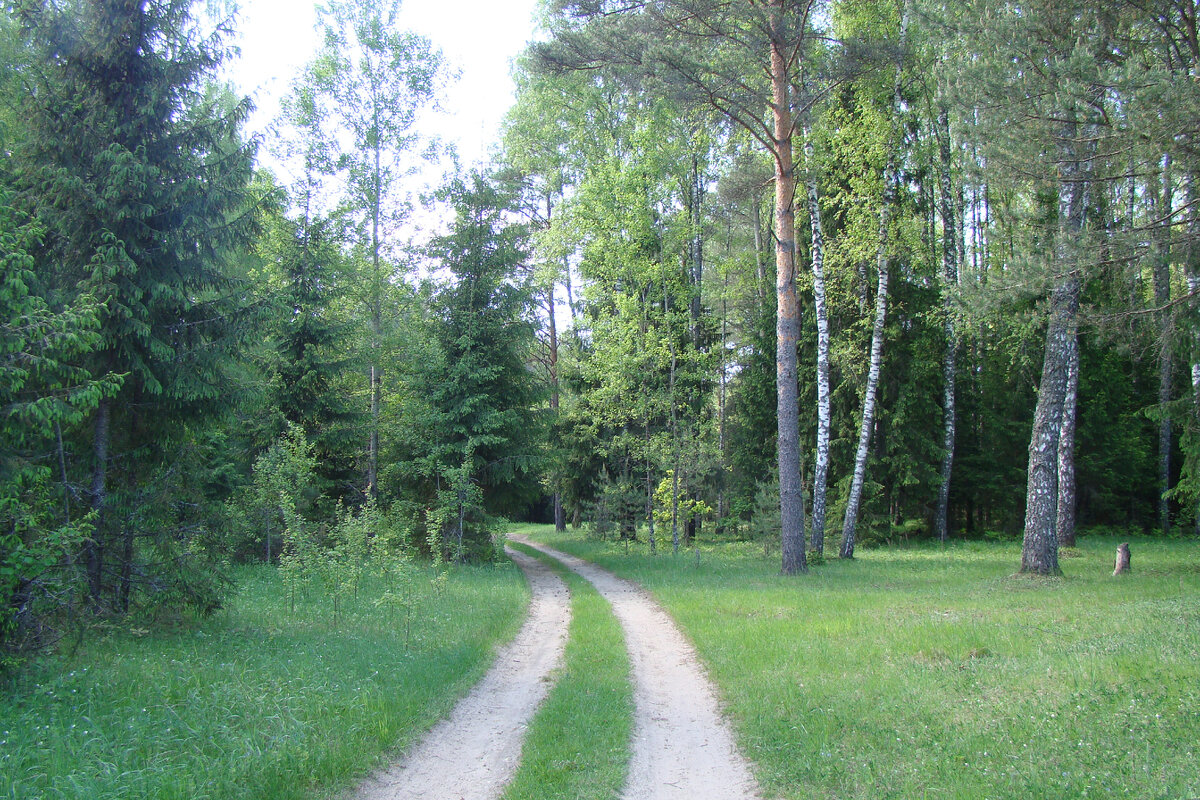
[{"x": 682, "y": 747}]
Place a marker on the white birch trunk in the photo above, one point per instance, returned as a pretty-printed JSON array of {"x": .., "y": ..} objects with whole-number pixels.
[
  {"x": 1065, "y": 521},
  {"x": 854, "y": 501},
  {"x": 824, "y": 413},
  {"x": 950, "y": 362}
]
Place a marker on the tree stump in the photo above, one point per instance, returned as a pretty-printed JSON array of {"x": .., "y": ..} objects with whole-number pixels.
[{"x": 1122, "y": 559}]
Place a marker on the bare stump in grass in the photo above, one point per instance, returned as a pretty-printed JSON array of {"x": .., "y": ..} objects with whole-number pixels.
[{"x": 1122, "y": 559}]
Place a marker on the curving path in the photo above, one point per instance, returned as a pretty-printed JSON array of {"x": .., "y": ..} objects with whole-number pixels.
[
  {"x": 682, "y": 746},
  {"x": 473, "y": 753}
]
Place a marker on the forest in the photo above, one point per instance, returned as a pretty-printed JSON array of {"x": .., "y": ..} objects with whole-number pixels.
[{"x": 823, "y": 275}]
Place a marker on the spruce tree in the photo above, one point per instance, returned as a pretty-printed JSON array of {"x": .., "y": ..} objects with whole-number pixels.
[
  {"x": 484, "y": 393},
  {"x": 131, "y": 160}
]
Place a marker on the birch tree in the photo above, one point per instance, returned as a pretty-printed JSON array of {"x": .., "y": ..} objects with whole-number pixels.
[{"x": 882, "y": 267}]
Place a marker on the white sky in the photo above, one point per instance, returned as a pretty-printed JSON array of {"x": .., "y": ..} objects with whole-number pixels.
[{"x": 478, "y": 37}]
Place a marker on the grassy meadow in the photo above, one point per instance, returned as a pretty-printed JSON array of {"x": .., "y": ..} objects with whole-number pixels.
[
  {"x": 256, "y": 702},
  {"x": 928, "y": 673}
]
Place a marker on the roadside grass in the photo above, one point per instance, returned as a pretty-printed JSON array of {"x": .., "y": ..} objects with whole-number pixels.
[
  {"x": 577, "y": 746},
  {"x": 927, "y": 673},
  {"x": 255, "y": 702}
]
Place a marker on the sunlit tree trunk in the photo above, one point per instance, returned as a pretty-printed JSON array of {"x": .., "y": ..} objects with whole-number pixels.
[
  {"x": 791, "y": 497},
  {"x": 1065, "y": 522},
  {"x": 854, "y": 499},
  {"x": 1039, "y": 552}
]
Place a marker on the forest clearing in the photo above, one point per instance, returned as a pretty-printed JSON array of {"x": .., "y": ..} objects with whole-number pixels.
[{"x": 852, "y": 345}]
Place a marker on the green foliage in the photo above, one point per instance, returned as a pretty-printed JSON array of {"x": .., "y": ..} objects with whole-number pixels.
[
  {"x": 482, "y": 448},
  {"x": 42, "y": 392}
]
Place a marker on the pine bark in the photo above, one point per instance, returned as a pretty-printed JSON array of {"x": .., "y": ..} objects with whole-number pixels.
[
  {"x": 941, "y": 524},
  {"x": 788, "y": 312}
]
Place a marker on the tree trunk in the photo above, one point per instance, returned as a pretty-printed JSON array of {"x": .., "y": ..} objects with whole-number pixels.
[
  {"x": 1122, "y": 562},
  {"x": 376, "y": 335},
  {"x": 950, "y": 362},
  {"x": 1065, "y": 523},
  {"x": 760, "y": 286},
  {"x": 1039, "y": 554},
  {"x": 824, "y": 411},
  {"x": 854, "y": 501},
  {"x": 1162, "y": 297},
  {"x": 650, "y": 492},
  {"x": 93, "y": 549},
  {"x": 560, "y": 517},
  {"x": 1193, "y": 281},
  {"x": 788, "y": 312}
]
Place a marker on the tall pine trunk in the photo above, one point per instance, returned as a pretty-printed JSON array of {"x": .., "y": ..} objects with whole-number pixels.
[
  {"x": 791, "y": 490},
  {"x": 941, "y": 523}
]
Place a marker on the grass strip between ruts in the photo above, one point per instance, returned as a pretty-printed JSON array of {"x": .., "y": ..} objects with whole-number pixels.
[{"x": 578, "y": 744}]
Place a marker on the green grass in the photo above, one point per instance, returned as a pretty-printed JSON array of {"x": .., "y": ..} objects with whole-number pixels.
[
  {"x": 923, "y": 673},
  {"x": 577, "y": 747},
  {"x": 253, "y": 703}
]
